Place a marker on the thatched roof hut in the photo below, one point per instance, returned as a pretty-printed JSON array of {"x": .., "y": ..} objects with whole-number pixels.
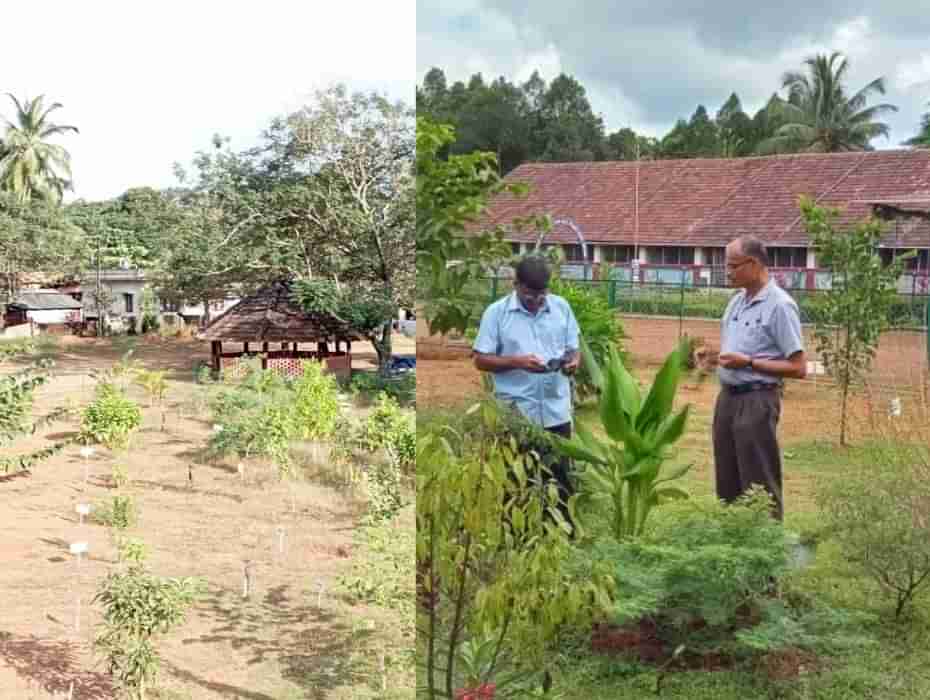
[{"x": 272, "y": 316}]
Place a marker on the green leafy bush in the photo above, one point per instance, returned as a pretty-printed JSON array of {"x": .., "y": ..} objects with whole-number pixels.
[
  {"x": 17, "y": 394},
  {"x": 490, "y": 564},
  {"x": 879, "y": 512},
  {"x": 402, "y": 388},
  {"x": 389, "y": 429},
  {"x": 705, "y": 569},
  {"x": 120, "y": 513},
  {"x": 14, "y": 348},
  {"x": 111, "y": 418},
  {"x": 599, "y": 324},
  {"x": 316, "y": 402},
  {"x": 136, "y": 607},
  {"x": 625, "y": 471}
]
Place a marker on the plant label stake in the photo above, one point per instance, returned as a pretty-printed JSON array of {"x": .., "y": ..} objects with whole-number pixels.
[
  {"x": 319, "y": 596},
  {"x": 894, "y": 410},
  {"x": 82, "y": 509},
  {"x": 86, "y": 453},
  {"x": 246, "y": 579},
  {"x": 241, "y": 469},
  {"x": 280, "y": 531},
  {"x": 78, "y": 548}
]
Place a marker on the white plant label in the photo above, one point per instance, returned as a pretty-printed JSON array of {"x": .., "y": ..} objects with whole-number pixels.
[
  {"x": 82, "y": 509},
  {"x": 894, "y": 409},
  {"x": 78, "y": 547}
]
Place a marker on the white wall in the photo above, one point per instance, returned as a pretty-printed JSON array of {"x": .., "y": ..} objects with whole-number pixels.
[
  {"x": 52, "y": 316},
  {"x": 117, "y": 289}
]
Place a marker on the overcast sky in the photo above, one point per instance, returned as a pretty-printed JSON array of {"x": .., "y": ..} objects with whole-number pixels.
[
  {"x": 149, "y": 83},
  {"x": 646, "y": 63}
]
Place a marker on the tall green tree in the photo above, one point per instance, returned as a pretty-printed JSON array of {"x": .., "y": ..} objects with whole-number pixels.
[
  {"x": 362, "y": 146},
  {"x": 734, "y": 129},
  {"x": 858, "y": 302},
  {"x": 821, "y": 116},
  {"x": 31, "y": 166},
  {"x": 922, "y": 139},
  {"x": 35, "y": 236}
]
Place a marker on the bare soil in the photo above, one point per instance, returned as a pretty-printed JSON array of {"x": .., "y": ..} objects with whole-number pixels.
[{"x": 286, "y": 641}]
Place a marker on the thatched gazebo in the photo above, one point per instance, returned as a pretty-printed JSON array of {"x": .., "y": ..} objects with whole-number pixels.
[{"x": 271, "y": 317}]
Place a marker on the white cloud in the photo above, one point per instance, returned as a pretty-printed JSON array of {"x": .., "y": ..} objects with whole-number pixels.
[{"x": 148, "y": 84}]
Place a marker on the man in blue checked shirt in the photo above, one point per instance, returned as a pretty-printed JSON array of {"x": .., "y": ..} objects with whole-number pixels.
[{"x": 529, "y": 341}]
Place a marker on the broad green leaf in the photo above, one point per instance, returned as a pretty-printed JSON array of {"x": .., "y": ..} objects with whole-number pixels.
[
  {"x": 614, "y": 417},
  {"x": 676, "y": 474},
  {"x": 628, "y": 386},
  {"x": 672, "y": 429},
  {"x": 591, "y": 443},
  {"x": 590, "y": 363},
  {"x": 658, "y": 403},
  {"x": 574, "y": 449},
  {"x": 672, "y": 493}
]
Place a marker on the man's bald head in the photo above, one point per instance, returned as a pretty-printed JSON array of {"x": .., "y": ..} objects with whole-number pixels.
[{"x": 751, "y": 247}]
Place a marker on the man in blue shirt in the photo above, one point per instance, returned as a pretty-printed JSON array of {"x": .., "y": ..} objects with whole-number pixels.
[{"x": 529, "y": 342}]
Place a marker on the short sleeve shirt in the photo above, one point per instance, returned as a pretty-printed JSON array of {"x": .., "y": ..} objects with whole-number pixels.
[
  {"x": 507, "y": 328},
  {"x": 766, "y": 327}
]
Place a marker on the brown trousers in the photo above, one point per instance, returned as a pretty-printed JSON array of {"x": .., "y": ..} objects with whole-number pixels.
[{"x": 746, "y": 448}]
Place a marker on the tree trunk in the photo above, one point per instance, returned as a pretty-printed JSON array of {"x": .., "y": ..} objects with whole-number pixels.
[
  {"x": 205, "y": 319},
  {"x": 382, "y": 347}
]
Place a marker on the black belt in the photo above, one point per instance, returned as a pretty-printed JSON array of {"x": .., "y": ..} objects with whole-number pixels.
[{"x": 752, "y": 386}]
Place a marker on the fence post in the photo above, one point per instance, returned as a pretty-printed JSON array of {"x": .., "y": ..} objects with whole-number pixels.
[{"x": 681, "y": 304}]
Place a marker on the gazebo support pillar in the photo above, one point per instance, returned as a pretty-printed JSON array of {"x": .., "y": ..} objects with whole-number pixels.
[{"x": 216, "y": 349}]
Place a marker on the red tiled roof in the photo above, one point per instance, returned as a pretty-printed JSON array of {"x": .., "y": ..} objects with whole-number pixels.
[{"x": 709, "y": 202}]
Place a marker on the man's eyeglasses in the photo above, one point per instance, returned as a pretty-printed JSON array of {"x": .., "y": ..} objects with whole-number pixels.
[
  {"x": 536, "y": 294},
  {"x": 736, "y": 266}
]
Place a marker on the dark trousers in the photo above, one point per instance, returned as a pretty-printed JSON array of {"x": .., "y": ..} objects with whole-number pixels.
[
  {"x": 746, "y": 448},
  {"x": 561, "y": 471}
]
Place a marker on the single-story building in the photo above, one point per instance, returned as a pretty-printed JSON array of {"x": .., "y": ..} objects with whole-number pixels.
[
  {"x": 48, "y": 310},
  {"x": 670, "y": 220}
]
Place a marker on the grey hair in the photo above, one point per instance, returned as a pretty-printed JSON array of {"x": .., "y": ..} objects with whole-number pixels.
[{"x": 753, "y": 247}]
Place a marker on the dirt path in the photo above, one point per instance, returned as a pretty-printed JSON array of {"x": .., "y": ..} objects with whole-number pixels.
[{"x": 286, "y": 641}]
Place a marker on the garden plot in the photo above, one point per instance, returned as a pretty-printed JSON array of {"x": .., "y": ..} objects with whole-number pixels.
[
  {"x": 287, "y": 576},
  {"x": 869, "y": 639}
]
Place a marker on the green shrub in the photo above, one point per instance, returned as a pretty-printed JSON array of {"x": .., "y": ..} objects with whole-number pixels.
[
  {"x": 120, "y": 513},
  {"x": 370, "y": 385},
  {"x": 704, "y": 569},
  {"x": 599, "y": 324},
  {"x": 136, "y": 607},
  {"x": 14, "y": 348},
  {"x": 265, "y": 430},
  {"x": 879, "y": 512},
  {"x": 110, "y": 419},
  {"x": 389, "y": 429},
  {"x": 316, "y": 402}
]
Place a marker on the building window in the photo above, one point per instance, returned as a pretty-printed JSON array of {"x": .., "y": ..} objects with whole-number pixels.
[
  {"x": 919, "y": 263},
  {"x": 715, "y": 257},
  {"x": 127, "y": 298},
  {"x": 573, "y": 253},
  {"x": 616, "y": 253},
  {"x": 680, "y": 255},
  {"x": 787, "y": 257},
  {"x": 170, "y": 306},
  {"x": 515, "y": 248}
]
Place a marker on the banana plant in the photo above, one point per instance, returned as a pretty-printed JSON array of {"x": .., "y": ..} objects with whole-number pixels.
[{"x": 627, "y": 468}]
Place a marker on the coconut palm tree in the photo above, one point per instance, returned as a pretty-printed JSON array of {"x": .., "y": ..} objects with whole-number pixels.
[
  {"x": 30, "y": 166},
  {"x": 922, "y": 140},
  {"x": 819, "y": 115}
]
